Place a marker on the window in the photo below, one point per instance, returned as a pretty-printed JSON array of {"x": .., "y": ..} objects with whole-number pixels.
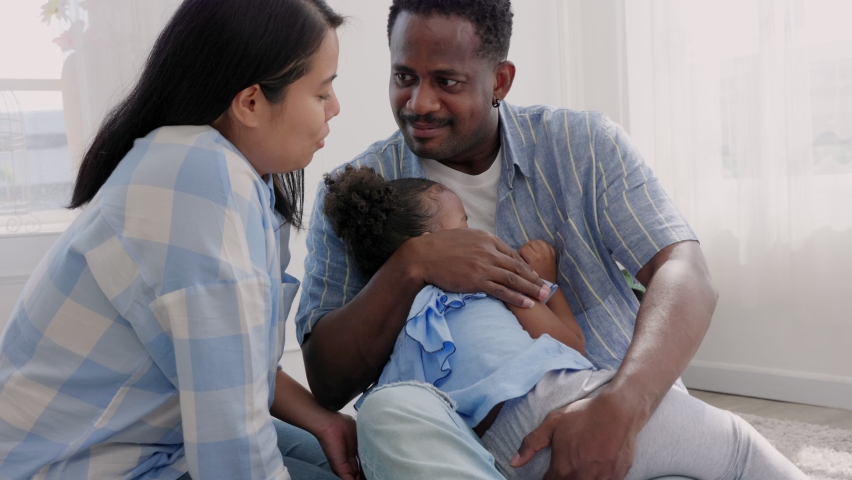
[{"x": 36, "y": 167}]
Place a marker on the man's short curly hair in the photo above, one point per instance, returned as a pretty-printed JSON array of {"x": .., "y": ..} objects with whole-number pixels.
[{"x": 492, "y": 19}]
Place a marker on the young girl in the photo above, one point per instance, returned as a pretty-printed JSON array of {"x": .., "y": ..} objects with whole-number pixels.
[
  {"x": 505, "y": 369},
  {"x": 146, "y": 343}
]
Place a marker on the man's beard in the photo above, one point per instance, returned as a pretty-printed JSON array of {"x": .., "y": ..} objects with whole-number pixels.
[
  {"x": 434, "y": 151},
  {"x": 429, "y": 120}
]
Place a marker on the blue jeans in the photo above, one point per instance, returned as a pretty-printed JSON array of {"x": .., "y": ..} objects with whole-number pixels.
[
  {"x": 403, "y": 427},
  {"x": 302, "y": 454}
]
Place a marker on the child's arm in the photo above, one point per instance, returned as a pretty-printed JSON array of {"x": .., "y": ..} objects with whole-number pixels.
[{"x": 555, "y": 318}]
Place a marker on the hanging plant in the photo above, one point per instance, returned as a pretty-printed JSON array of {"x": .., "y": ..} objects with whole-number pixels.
[{"x": 57, "y": 9}]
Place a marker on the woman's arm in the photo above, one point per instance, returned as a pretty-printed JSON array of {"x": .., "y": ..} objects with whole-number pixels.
[
  {"x": 223, "y": 387},
  {"x": 335, "y": 431},
  {"x": 555, "y": 318}
]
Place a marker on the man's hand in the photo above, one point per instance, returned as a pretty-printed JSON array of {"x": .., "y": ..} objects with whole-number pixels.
[
  {"x": 541, "y": 257},
  {"x": 469, "y": 260},
  {"x": 590, "y": 439},
  {"x": 340, "y": 444}
]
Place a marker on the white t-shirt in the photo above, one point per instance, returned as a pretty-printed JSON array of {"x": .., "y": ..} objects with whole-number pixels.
[{"x": 478, "y": 193}]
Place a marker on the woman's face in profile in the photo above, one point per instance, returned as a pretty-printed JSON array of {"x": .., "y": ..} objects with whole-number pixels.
[{"x": 299, "y": 123}]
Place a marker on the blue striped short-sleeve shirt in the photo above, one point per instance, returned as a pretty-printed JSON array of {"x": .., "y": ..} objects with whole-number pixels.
[{"x": 571, "y": 178}]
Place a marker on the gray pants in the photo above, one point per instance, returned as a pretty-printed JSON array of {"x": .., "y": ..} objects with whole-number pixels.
[{"x": 684, "y": 436}]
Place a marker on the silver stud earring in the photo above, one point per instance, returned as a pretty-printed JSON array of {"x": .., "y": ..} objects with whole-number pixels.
[{"x": 496, "y": 103}]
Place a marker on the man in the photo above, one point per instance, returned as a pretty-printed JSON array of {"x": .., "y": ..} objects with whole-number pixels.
[{"x": 570, "y": 178}]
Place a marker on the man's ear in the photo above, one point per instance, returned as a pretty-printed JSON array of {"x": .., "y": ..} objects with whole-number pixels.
[
  {"x": 247, "y": 105},
  {"x": 504, "y": 76}
]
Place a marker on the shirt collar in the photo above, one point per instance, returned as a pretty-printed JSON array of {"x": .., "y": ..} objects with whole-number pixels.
[
  {"x": 513, "y": 141},
  {"x": 408, "y": 169},
  {"x": 269, "y": 180}
]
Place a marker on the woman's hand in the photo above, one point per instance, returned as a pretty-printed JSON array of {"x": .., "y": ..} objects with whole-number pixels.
[
  {"x": 334, "y": 431},
  {"x": 541, "y": 257},
  {"x": 339, "y": 442}
]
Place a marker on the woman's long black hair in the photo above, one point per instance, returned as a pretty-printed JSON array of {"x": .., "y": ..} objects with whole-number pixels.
[{"x": 210, "y": 51}]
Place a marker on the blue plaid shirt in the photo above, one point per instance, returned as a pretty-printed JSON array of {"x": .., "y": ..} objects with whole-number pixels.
[
  {"x": 573, "y": 179},
  {"x": 146, "y": 343}
]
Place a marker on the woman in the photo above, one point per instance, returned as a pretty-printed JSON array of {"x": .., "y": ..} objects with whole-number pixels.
[{"x": 146, "y": 343}]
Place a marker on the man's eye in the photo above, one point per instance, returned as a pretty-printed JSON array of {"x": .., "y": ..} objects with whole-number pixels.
[
  {"x": 403, "y": 77},
  {"x": 447, "y": 82}
]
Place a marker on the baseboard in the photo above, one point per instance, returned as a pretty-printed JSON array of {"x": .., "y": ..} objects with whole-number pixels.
[
  {"x": 13, "y": 279},
  {"x": 788, "y": 386}
]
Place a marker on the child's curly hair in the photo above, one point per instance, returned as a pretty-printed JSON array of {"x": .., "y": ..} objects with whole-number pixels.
[{"x": 375, "y": 217}]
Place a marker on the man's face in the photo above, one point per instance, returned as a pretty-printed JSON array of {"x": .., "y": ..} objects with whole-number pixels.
[{"x": 440, "y": 87}]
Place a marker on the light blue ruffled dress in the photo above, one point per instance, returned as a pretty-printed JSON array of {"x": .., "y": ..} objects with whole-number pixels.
[{"x": 471, "y": 347}]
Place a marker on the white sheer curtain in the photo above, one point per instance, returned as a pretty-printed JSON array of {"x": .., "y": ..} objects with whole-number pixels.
[
  {"x": 744, "y": 109},
  {"x": 63, "y": 64},
  {"x": 107, "y": 43}
]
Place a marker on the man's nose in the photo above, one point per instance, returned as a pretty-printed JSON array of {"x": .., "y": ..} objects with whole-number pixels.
[{"x": 423, "y": 100}]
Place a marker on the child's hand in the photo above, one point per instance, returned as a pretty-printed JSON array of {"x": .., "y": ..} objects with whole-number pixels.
[{"x": 541, "y": 257}]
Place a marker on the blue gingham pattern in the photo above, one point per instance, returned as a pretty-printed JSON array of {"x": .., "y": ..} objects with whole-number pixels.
[
  {"x": 146, "y": 343},
  {"x": 573, "y": 179}
]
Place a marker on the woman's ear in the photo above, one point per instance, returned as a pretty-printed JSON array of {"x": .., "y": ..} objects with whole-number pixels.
[{"x": 248, "y": 106}]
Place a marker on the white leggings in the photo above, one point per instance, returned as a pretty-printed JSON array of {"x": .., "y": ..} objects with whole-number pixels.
[{"x": 684, "y": 436}]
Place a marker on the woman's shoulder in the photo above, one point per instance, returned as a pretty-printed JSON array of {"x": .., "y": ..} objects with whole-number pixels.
[
  {"x": 203, "y": 161},
  {"x": 184, "y": 199},
  {"x": 189, "y": 162}
]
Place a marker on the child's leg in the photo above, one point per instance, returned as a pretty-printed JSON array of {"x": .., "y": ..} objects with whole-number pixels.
[
  {"x": 686, "y": 436},
  {"x": 520, "y": 416}
]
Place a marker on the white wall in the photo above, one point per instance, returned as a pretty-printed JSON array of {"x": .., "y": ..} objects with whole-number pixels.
[
  {"x": 585, "y": 33},
  {"x": 781, "y": 329},
  {"x": 365, "y": 117},
  {"x": 365, "y": 114},
  {"x": 573, "y": 53},
  {"x": 19, "y": 255},
  {"x": 364, "y": 72}
]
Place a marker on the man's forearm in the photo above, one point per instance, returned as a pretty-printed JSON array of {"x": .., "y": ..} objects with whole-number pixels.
[
  {"x": 672, "y": 320},
  {"x": 348, "y": 348}
]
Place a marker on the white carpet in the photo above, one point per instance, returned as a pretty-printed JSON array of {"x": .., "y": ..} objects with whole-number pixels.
[{"x": 823, "y": 453}]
